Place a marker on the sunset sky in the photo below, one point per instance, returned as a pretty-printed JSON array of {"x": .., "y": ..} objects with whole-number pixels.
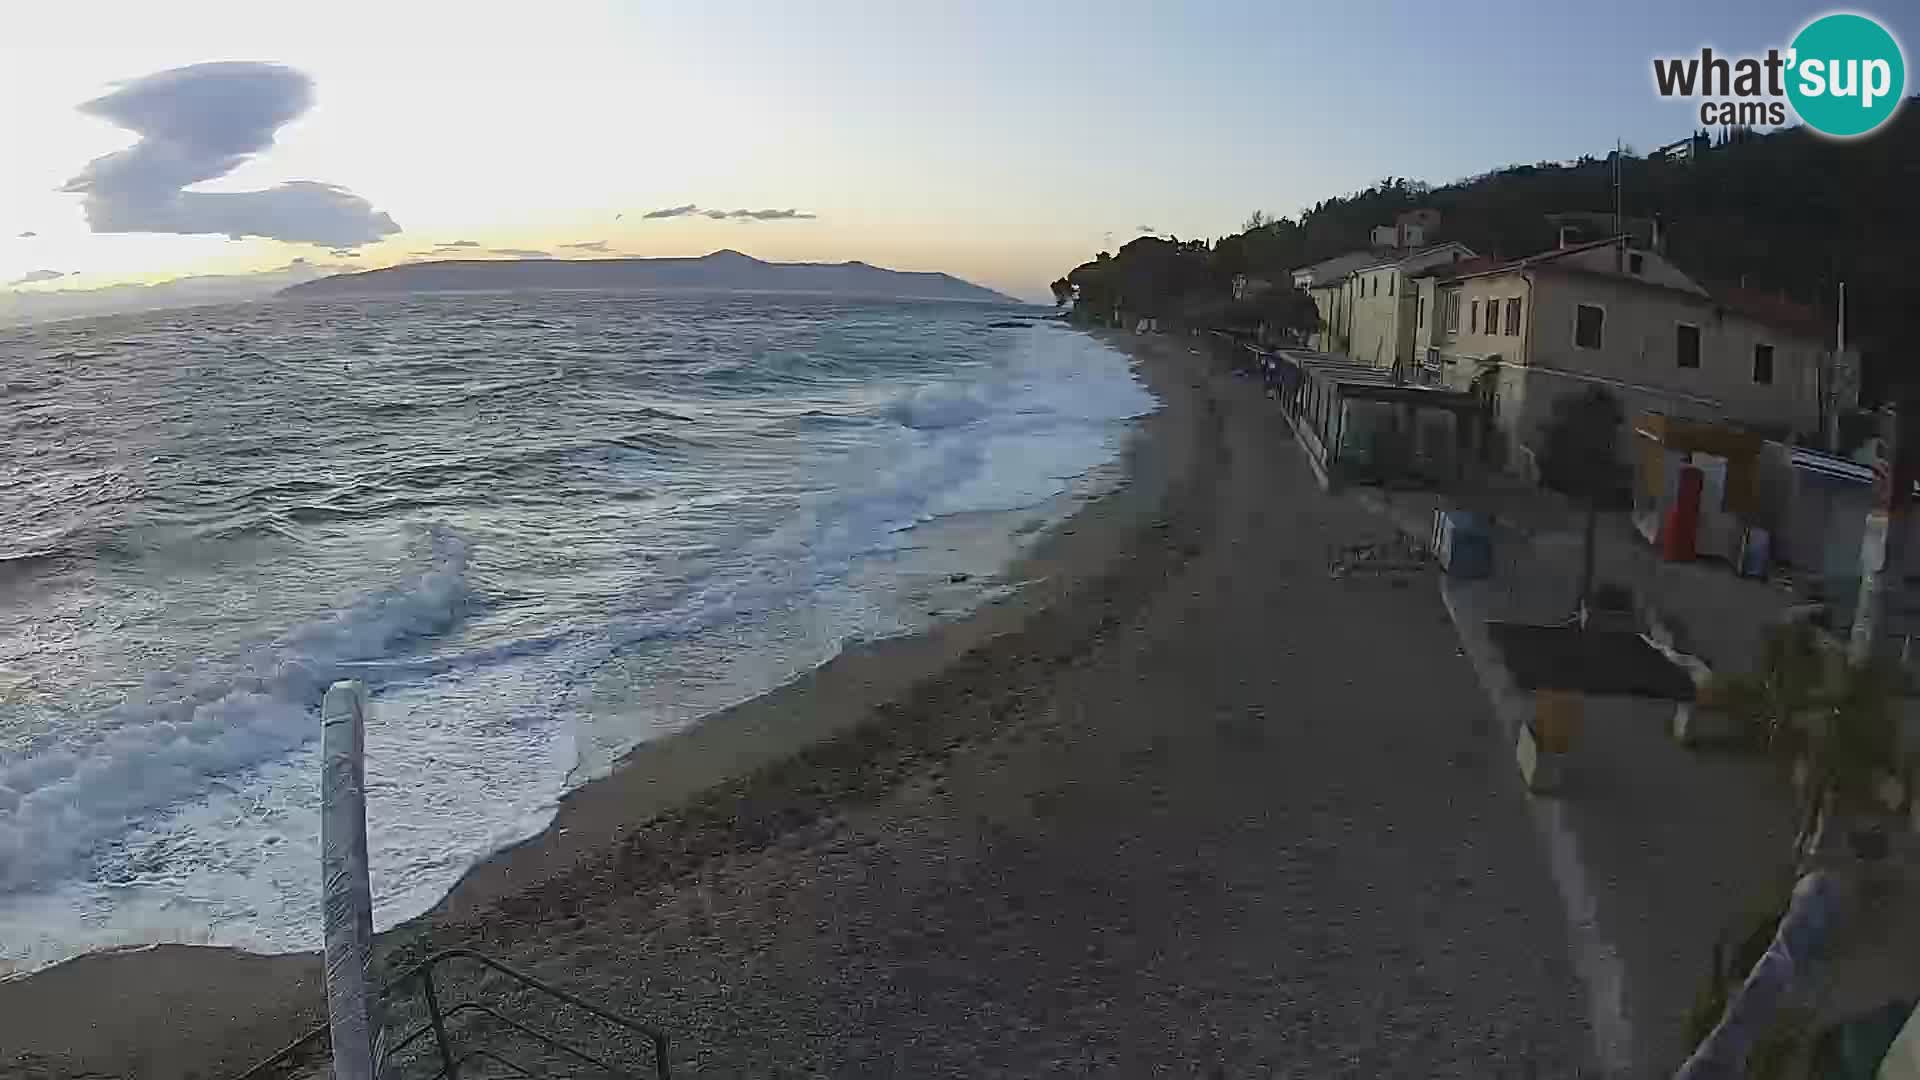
[{"x": 1002, "y": 142}]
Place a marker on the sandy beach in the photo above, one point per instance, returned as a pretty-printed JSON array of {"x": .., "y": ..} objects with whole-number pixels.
[{"x": 1182, "y": 803}]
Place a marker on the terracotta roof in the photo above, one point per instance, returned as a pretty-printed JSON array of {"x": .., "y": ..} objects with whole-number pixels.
[{"x": 1770, "y": 309}]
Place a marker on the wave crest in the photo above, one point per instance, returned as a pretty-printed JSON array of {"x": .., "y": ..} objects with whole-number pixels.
[
  {"x": 58, "y": 805},
  {"x": 930, "y": 408}
]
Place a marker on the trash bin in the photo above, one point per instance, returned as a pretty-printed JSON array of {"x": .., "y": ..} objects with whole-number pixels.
[
  {"x": 1464, "y": 544},
  {"x": 1756, "y": 552}
]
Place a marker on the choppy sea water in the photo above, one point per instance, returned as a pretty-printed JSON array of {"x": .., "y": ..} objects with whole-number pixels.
[{"x": 542, "y": 529}]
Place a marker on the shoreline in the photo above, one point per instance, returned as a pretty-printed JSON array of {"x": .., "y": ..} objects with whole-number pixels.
[{"x": 847, "y": 732}]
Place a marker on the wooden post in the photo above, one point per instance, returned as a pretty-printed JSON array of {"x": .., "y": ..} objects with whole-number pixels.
[{"x": 347, "y": 894}]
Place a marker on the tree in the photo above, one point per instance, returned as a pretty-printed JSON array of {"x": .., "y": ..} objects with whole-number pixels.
[
  {"x": 1577, "y": 459},
  {"x": 1809, "y": 702},
  {"x": 1062, "y": 291}
]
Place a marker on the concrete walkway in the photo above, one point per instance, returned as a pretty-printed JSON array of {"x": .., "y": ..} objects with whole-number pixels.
[{"x": 1655, "y": 849}]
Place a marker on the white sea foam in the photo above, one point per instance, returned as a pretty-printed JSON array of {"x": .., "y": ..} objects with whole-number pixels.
[
  {"x": 190, "y": 812},
  {"x": 176, "y": 739},
  {"x": 929, "y": 408}
]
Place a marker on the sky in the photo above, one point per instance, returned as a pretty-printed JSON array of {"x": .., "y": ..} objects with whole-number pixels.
[{"x": 1003, "y": 142}]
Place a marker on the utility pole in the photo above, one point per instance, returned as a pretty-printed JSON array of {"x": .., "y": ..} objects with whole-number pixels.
[
  {"x": 1619, "y": 245},
  {"x": 1831, "y": 390}
]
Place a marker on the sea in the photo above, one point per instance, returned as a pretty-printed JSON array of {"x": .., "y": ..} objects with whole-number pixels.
[{"x": 540, "y": 528}]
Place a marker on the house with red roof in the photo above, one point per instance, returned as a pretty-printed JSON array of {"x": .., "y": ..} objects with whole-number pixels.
[{"x": 1524, "y": 332}]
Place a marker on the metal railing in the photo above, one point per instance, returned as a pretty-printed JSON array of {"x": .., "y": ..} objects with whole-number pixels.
[{"x": 438, "y": 1026}]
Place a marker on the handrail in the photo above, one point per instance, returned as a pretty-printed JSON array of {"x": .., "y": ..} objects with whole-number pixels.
[
  {"x": 531, "y": 1033},
  {"x": 436, "y": 1025}
]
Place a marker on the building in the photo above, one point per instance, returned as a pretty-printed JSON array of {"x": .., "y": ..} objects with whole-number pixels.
[
  {"x": 1359, "y": 426},
  {"x": 1374, "y": 305},
  {"x": 1323, "y": 281},
  {"x": 1686, "y": 150},
  {"x": 1334, "y": 295},
  {"x": 1410, "y": 229},
  {"x": 1523, "y": 333},
  {"x": 1571, "y": 227},
  {"x": 1415, "y": 228}
]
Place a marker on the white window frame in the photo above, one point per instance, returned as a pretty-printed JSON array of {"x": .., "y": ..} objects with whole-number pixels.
[
  {"x": 1513, "y": 307},
  {"x": 1699, "y": 341},
  {"x": 1773, "y": 364},
  {"x": 1573, "y": 328}
]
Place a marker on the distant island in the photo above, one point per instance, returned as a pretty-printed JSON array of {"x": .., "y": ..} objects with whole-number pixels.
[{"x": 722, "y": 270}]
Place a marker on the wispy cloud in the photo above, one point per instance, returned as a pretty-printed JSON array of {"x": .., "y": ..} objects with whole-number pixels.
[
  {"x": 28, "y": 235},
  {"x": 692, "y": 210},
  {"x": 521, "y": 253},
  {"x": 590, "y": 245},
  {"x": 459, "y": 244},
  {"x": 201, "y": 122},
  {"x": 34, "y": 276},
  {"x": 1146, "y": 229}
]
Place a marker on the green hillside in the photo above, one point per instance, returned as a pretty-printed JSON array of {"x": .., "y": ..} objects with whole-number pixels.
[{"x": 1789, "y": 212}]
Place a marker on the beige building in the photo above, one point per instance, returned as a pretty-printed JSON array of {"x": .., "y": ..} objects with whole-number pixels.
[
  {"x": 1523, "y": 333},
  {"x": 1323, "y": 281},
  {"x": 1373, "y": 306}
]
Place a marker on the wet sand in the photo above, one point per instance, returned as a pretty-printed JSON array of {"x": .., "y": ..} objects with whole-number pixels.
[{"x": 1183, "y": 803}]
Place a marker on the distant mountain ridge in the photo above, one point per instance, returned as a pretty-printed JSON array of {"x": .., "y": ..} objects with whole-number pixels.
[{"x": 720, "y": 270}]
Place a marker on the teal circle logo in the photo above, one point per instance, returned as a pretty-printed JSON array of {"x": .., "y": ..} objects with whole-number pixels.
[{"x": 1846, "y": 75}]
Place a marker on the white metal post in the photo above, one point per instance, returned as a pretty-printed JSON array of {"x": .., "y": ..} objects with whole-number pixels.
[{"x": 353, "y": 1013}]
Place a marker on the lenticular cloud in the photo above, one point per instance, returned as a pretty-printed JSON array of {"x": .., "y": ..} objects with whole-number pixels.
[{"x": 201, "y": 122}]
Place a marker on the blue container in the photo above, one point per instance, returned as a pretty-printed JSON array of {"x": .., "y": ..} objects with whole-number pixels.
[
  {"x": 1756, "y": 552},
  {"x": 1466, "y": 545}
]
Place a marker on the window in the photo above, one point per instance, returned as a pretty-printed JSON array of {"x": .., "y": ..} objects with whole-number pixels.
[
  {"x": 1636, "y": 263},
  {"x": 1513, "y": 316},
  {"x": 1473, "y": 317},
  {"x": 1589, "y": 322},
  {"x": 1419, "y": 311},
  {"x": 1686, "y": 345},
  {"x": 1450, "y": 312},
  {"x": 1376, "y": 284},
  {"x": 1390, "y": 284},
  {"x": 1763, "y": 363}
]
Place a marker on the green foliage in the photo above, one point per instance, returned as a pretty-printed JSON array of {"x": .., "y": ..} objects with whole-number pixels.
[
  {"x": 1578, "y": 454},
  {"x": 1786, "y": 685},
  {"x": 1062, "y": 291},
  {"x": 1281, "y": 311},
  {"x": 1150, "y": 276},
  {"x": 1858, "y": 741},
  {"x": 1783, "y": 212},
  {"x": 1733, "y": 960},
  {"x": 1806, "y": 700}
]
